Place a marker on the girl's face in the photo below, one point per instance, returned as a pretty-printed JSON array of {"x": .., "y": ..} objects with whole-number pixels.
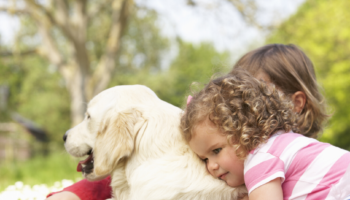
[{"x": 211, "y": 145}]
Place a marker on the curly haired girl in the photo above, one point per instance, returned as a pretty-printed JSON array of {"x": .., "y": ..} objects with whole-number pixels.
[{"x": 247, "y": 133}]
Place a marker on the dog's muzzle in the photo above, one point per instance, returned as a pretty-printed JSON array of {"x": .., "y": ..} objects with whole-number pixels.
[{"x": 86, "y": 166}]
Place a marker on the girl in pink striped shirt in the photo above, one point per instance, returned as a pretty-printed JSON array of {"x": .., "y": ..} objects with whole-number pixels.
[{"x": 246, "y": 133}]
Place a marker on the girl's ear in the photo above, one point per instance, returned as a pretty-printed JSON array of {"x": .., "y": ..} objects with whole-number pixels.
[{"x": 299, "y": 100}]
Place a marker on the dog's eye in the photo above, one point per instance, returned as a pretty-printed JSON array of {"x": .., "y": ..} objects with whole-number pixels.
[
  {"x": 88, "y": 116},
  {"x": 205, "y": 160}
]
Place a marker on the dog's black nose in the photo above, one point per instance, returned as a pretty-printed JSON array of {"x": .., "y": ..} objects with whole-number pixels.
[{"x": 65, "y": 136}]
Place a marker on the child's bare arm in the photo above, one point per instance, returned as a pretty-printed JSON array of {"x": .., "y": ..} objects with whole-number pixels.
[
  {"x": 65, "y": 195},
  {"x": 269, "y": 191}
]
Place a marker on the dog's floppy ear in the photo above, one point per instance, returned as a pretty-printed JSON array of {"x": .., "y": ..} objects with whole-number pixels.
[{"x": 115, "y": 139}]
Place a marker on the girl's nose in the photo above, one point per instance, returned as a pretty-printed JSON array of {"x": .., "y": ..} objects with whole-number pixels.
[{"x": 212, "y": 166}]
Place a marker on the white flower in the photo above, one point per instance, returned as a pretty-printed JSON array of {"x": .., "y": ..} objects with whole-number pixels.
[{"x": 20, "y": 191}]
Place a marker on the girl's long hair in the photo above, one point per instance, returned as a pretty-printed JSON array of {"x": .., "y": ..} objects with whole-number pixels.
[{"x": 290, "y": 70}]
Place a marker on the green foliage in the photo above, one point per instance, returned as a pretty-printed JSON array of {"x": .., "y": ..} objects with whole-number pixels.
[
  {"x": 6, "y": 80},
  {"x": 141, "y": 45},
  {"x": 320, "y": 28},
  {"x": 40, "y": 170},
  {"x": 37, "y": 94},
  {"x": 193, "y": 64}
]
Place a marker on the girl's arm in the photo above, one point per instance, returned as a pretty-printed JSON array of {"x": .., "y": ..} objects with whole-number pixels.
[
  {"x": 65, "y": 195},
  {"x": 85, "y": 190},
  {"x": 269, "y": 191}
]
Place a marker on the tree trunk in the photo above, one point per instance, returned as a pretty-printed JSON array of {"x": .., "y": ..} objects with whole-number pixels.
[
  {"x": 76, "y": 89},
  {"x": 72, "y": 20}
]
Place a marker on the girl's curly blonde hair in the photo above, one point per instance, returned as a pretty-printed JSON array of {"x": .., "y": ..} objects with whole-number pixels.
[{"x": 241, "y": 106}]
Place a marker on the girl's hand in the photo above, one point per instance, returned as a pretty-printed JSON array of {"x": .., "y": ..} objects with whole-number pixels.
[
  {"x": 269, "y": 191},
  {"x": 65, "y": 195}
]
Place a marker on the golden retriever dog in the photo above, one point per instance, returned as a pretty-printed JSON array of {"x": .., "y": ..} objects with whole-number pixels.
[{"x": 132, "y": 135}]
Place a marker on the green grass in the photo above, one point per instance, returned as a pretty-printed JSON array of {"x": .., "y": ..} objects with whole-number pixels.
[{"x": 40, "y": 170}]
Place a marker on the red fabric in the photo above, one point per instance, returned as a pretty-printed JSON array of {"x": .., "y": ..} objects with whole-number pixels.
[{"x": 86, "y": 190}]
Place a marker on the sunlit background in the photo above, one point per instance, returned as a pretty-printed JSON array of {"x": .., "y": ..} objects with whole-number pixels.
[{"x": 56, "y": 55}]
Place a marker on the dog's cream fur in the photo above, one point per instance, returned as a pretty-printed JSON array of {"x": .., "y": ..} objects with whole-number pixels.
[{"x": 135, "y": 138}]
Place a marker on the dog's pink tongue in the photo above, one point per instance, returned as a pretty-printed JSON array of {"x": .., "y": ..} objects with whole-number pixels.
[{"x": 80, "y": 167}]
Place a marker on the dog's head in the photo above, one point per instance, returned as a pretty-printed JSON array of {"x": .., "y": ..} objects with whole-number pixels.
[{"x": 107, "y": 133}]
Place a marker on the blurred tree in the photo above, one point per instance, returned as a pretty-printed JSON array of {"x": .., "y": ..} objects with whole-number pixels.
[
  {"x": 67, "y": 33},
  {"x": 63, "y": 28},
  {"x": 194, "y": 63},
  {"x": 4, "y": 95},
  {"x": 321, "y": 29},
  {"x": 37, "y": 91}
]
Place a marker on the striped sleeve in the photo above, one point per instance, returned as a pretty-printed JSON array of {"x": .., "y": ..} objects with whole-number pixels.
[
  {"x": 308, "y": 168},
  {"x": 262, "y": 169},
  {"x": 265, "y": 164}
]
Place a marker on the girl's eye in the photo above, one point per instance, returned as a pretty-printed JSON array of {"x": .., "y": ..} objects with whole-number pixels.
[{"x": 217, "y": 151}]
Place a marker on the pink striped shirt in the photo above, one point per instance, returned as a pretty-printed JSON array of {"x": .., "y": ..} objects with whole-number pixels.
[{"x": 308, "y": 168}]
